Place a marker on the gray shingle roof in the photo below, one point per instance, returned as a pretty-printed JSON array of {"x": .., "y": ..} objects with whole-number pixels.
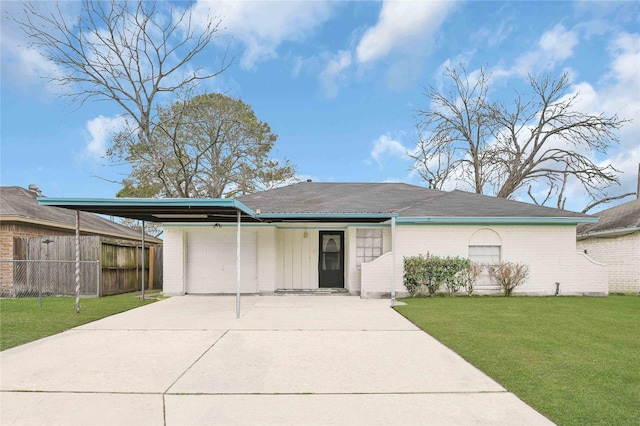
[
  {"x": 621, "y": 217},
  {"x": 406, "y": 200},
  {"x": 19, "y": 202}
]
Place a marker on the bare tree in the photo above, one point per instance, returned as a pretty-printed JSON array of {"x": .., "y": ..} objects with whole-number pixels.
[
  {"x": 456, "y": 133},
  {"x": 130, "y": 53},
  {"x": 150, "y": 228},
  {"x": 498, "y": 148}
]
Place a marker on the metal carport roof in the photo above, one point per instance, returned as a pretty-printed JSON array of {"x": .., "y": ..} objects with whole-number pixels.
[{"x": 159, "y": 210}]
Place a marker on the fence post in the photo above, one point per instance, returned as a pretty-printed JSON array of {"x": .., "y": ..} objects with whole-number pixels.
[
  {"x": 40, "y": 283},
  {"x": 98, "y": 270},
  {"x": 152, "y": 253}
]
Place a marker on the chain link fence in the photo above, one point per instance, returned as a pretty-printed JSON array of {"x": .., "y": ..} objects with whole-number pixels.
[{"x": 43, "y": 278}]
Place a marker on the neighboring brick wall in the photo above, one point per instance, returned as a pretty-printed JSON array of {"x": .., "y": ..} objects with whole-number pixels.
[
  {"x": 621, "y": 255},
  {"x": 6, "y": 253}
]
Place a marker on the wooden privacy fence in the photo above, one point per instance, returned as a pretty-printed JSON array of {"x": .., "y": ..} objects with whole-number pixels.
[{"x": 120, "y": 261}]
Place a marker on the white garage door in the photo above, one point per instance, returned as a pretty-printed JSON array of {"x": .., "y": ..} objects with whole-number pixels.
[{"x": 211, "y": 261}]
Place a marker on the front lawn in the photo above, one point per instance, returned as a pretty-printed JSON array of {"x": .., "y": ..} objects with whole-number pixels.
[
  {"x": 23, "y": 320},
  {"x": 574, "y": 359}
]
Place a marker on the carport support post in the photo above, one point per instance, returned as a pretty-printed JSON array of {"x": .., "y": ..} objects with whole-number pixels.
[
  {"x": 393, "y": 261},
  {"x": 238, "y": 268},
  {"x": 142, "y": 286}
]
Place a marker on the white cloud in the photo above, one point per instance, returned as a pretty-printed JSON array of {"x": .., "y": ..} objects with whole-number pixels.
[
  {"x": 493, "y": 35},
  {"x": 558, "y": 43},
  {"x": 100, "y": 132},
  {"x": 553, "y": 47},
  {"x": 386, "y": 148},
  {"x": 333, "y": 73},
  {"x": 261, "y": 27},
  {"x": 621, "y": 96},
  {"x": 402, "y": 25},
  {"x": 21, "y": 63}
]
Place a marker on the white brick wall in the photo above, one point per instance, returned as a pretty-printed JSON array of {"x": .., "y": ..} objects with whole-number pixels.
[
  {"x": 173, "y": 260},
  {"x": 288, "y": 259},
  {"x": 622, "y": 257},
  {"x": 549, "y": 250}
]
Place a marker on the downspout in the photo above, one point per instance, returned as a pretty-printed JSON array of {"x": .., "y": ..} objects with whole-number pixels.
[{"x": 238, "y": 268}]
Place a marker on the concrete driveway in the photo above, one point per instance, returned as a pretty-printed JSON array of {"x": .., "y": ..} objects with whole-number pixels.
[{"x": 287, "y": 360}]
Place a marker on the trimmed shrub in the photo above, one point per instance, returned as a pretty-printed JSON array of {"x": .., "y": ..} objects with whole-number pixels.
[
  {"x": 429, "y": 273},
  {"x": 452, "y": 272},
  {"x": 414, "y": 273},
  {"x": 509, "y": 275}
]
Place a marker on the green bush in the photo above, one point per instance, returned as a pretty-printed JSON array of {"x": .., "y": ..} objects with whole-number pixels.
[
  {"x": 429, "y": 273},
  {"x": 414, "y": 273},
  {"x": 509, "y": 275}
]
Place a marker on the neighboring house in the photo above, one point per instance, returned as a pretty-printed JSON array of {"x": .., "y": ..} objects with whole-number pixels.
[
  {"x": 354, "y": 236},
  {"x": 22, "y": 218},
  {"x": 615, "y": 241}
]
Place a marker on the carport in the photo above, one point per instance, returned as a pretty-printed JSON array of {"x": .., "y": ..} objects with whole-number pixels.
[
  {"x": 209, "y": 210},
  {"x": 213, "y": 212}
]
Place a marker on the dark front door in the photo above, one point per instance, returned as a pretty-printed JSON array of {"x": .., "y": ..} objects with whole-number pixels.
[{"x": 331, "y": 262}]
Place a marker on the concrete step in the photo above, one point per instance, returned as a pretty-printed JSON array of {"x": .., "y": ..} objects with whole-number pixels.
[{"x": 314, "y": 292}]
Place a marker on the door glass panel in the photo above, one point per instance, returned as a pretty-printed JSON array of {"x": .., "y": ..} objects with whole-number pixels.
[{"x": 331, "y": 252}]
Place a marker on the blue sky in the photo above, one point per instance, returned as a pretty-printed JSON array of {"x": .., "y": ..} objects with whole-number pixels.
[{"x": 340, "y": 82}]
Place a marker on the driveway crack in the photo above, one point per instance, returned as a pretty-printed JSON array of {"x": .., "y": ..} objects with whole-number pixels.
[{"x": 194, "y": 362}]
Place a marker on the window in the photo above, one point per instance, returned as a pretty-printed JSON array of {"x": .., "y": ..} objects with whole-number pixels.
[
  {"x": 487, "y": 255},
  {"x": 368, "y": 245}
]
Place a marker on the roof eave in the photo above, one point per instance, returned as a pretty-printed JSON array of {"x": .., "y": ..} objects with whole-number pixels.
[
  {"x": 83, "y": 229},
  {"x": 325, "y": 217},
  {"x": 609, "y": 233},
  {"x": 497, "y": 220},
  {"x": 220, "y": 202}
]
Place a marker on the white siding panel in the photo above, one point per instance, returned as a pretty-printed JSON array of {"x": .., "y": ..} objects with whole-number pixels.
[
  {"x": 267, "y": 258},
  {"x": 297, "y": 259}
]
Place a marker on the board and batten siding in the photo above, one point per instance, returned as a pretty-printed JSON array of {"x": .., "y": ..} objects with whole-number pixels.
[
  {"x": 297, "y": 258},
  {"x": 548, "y": 250},
  {"x": 297, "y": 255}
]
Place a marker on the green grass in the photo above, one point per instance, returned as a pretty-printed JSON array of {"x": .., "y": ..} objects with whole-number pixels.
[
  {"x": 23, "y": 320},
  {"x": 574, "y": 359}
]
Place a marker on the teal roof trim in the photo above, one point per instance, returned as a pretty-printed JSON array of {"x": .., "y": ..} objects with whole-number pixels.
[
  {"x": 147, "y": 202},
  {"x": 285, "y": 216},
  {"x": 496, "y": 220}
]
